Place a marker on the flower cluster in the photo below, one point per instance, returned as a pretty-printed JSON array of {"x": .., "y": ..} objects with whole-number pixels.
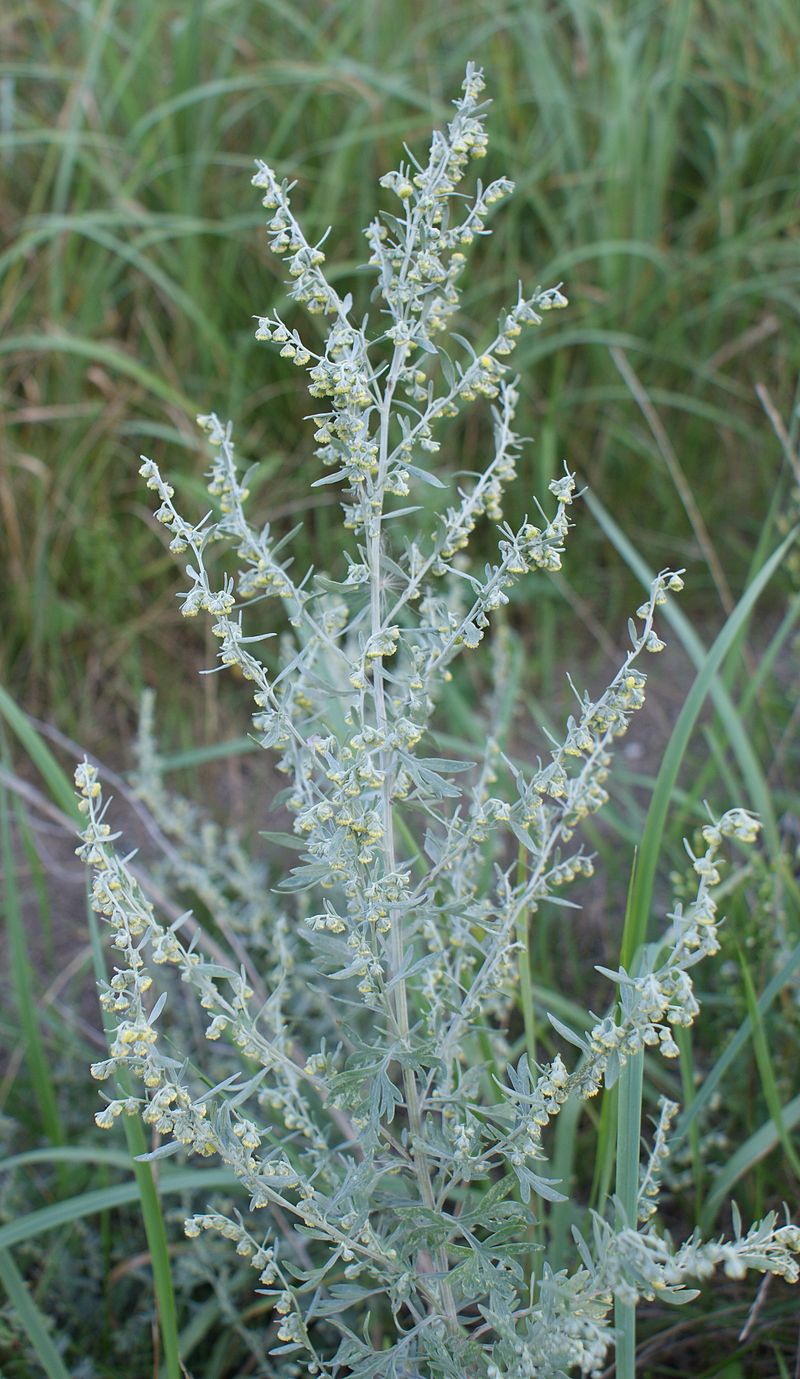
[{"x": 658, "y": 999}]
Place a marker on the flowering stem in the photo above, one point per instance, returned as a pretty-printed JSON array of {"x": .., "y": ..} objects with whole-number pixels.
[{"x": 152, "y": 1215}]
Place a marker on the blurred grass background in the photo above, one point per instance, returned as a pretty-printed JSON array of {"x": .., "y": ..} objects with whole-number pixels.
[{"x": 654, "y": 147}]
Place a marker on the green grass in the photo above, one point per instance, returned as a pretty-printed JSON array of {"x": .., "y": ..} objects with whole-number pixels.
[{"x": 654, "y": 151}]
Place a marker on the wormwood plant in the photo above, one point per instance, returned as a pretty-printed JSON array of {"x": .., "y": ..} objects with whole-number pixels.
[{"x": 388, "y": 1132}]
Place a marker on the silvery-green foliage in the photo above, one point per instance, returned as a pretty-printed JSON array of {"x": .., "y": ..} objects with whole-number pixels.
[{"x": 359, "y": 1005}]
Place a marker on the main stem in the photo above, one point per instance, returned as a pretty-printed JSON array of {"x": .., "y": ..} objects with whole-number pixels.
[{"x": 396, "y": 951}]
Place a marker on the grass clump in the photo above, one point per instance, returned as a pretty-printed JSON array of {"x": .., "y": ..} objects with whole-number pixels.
[
  {"x": 364, "y": 1077},
  {"x": 656, "y": 155}
]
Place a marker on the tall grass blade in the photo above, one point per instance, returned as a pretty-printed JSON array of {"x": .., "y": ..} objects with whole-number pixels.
[
  {"x": 755, "y": 1148},
  {"x": 766, "y": 1070},
  {"x": 653, "y": 833},
  {"x": 731, "y": 1053},
  {"x": 708, "y": 662},
  {"x": 31, "y": 1318},
  {"x": 95, "y": 1200},
  {"x": 57, "y": 781},
  {"x": 104, "y": 352},
  {"x": 24, "y": 993}
]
